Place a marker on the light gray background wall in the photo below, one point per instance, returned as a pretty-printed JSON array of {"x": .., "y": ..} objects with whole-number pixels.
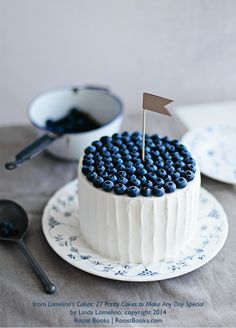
[{"x": 184, "y": 50}]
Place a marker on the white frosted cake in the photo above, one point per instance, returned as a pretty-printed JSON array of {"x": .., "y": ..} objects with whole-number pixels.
[{"x": 135, "y": 211}]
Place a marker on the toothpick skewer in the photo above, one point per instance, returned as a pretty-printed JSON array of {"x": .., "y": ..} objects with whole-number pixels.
[{"x": 144, "y": 131}]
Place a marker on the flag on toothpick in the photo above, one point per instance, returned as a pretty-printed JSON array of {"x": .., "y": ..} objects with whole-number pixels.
[{"x": 155, "y": 104}]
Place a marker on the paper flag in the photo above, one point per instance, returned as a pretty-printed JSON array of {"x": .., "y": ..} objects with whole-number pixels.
[{"x": 156, "y": 104}]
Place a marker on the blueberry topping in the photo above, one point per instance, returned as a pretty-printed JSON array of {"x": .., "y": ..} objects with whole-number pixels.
[
  {"x": 87, "y": 169},
  {"x": 107, "y": 185},
  {"x": 122, "y": 180},
  {"x": 120, "y": 189},
  {"x": 170, "y": 187},
  {"x": 181, "y": 182},
  {"x": 189, "y": 175},
  {"x": 158, "y": 191},
  {"x": 91, "y": 176},
  {"x": 115, "y": 164},
  {"x": 90, "y": 149},
  {"x": 133, "y": 191},
  {"x": 146, "y": 191},
  {"x": 134, "y": 182},
  {"x": 98, "y": 181}
]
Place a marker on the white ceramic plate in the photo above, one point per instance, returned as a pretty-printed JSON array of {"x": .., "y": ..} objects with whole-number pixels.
[
  {"x": 60, "y": 227},
  {"x": 214, "y": 148}
]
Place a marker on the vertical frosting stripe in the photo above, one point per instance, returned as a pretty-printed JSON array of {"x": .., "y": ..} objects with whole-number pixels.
[{"x": 135, "y": 231}]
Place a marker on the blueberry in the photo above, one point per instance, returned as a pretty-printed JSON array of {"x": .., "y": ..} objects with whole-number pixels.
[
  {"x": 128, "y": 163},
  {"x": 88, "y": 156},
  {"x": 102, "y": 149},
  {"x": 116, "y": 156},
  {"x": 87, "y": 169},
  {"x": 137, "y": 160},
  {"x": 147, "y": 149},
  {"x": 182, "y": 147},
  {"x": 120, "y": 189},
  {"x": 165, "y": 139},
  {"x": 166, "y": 155},
  {"x": 88, "y": 161},
  {"x": 146, "y": 192},
  {"x": 175, "y": 175},
  {"x": 189, "y": 175},
  {"x": 109, "y": 165},
  {"x": 170, "y": 187},
  {"x": 124, "y": 152},
  {"x": 112, "y": 177},
  {"x": 131, "y": 145},
  {"x": 142, "y": 179},
  {"x": 127, "y": 157},
  {"x": 160, "y": 164},
  {"x": 98, "y": 157},
  {"x": 139, "y": 166},
  {"x": 161, "y": 173},
  {"x": 180, "y": 170},
  {"x": 117, "y": 142},
  {"x": 106, "y": 140},
  {"x": 134, "y": 182},
  {"x": 179, "y": 164},
  {"x": 133, "y": 191},
  {"x": 155, "y": 154},
  {"x": 147, "y": 156},
  {"x": 160, "y": 182},
  {"x": 91, "y": 176},
  {"x": 100, "y": 167},
  {"x": 118, "y": 161},
  {"x": 97, "y": 143},
  {"x": 148, "y": 161},
  {"x": 152, "y": 176},
  {"x": 120, "y": 167},
  {"x": 181, "y": 182},
  {"x": 113, "y": 149},
  {"x": 116, "y": 136},
  {"x": 158, "y": 191},
  {"x": 167, "y": 178},
  {"x": 126, "y": 134},
  {"x": 122, "y": 180},
  {"x": 170, "y": 169},
  {"x": 112, "y": 170},
  {"x": 121, "y": 174},
  {"x": 151, "y": 168},
  {"x": 132, "y": 176},
  {"x": 107, "y": 159},
  {"x": 155, "y": 137},
  {"x": 136, "y": 136},
  {"x": 135, "y": 154},
  {"x": 175, "y": 142},
  {"x": 177, "y": 156},
  {"x": 147, "y": 183},
  {"x": 191, "y": 167},
  {"x": 98, "y": 181},
  {"x": 107, "y": 185},
  {"x": 130, "y": 169},
  {"x": 170, "y": 148},
  {"x": 106, "y": 154},
  {"x": 90, "y": 149},
  {"x": 169, "y": 162},
  {"x": 141, "y": 172}
]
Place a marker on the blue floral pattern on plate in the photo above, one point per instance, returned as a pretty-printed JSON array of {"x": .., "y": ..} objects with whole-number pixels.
[
  {"x": 214, "y": 150},
  {"x": 62, "y": 233}
]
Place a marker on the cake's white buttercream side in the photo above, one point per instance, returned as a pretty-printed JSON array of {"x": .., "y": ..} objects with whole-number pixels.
[{"x": 139, "y": 229}]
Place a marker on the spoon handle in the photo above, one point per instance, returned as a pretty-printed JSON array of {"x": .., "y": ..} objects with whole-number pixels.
[
  {"x": 48, "y": 285},
  {"x": 31, "y": 150}
]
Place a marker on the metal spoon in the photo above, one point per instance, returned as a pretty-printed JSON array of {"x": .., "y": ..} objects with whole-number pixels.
[{"x": 14, "y": 225}]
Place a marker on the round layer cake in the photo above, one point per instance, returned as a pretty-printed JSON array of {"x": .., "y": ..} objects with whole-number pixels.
[{"x": 136, "y": 211}]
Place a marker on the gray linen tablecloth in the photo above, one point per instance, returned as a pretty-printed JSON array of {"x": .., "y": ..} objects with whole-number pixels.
[{"x": 32, "y": 185}]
